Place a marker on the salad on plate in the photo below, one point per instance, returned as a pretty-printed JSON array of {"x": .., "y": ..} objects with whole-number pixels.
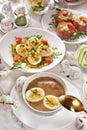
[{"x": 38, "y": 6}]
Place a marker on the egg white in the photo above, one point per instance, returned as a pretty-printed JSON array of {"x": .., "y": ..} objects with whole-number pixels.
[
  {"x": 48, "y": 53},
  {"x": 29, "y": 93},
  {"x": 45, "y": 53},
  {"x": 33, "y": 42},
  {"x": 21, "y": 54},
  {"x": 34, "y": 62},
  {"x": 51, "y": 107}
]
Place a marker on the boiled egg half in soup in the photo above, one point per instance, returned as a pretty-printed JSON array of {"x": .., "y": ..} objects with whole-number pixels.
[
  {"x": 35, "y": 94},
  {"x": 51, "y": 102}
]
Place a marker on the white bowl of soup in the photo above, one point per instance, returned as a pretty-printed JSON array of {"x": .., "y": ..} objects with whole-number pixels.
[{"x": 41, "y": 91}]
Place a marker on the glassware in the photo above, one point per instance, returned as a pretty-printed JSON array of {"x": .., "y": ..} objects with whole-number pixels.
[{"x": 62, "y": 3}]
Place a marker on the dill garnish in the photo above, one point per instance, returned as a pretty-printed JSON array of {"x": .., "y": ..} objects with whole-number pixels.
[{"x": 77, "y": 35}]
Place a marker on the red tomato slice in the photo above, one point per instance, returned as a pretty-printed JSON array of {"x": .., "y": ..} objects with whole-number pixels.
[
  {"x": 18, "y": 39},
  {"x": 48, "y": 60},
  {"x": 70, "y": 26},
  {"x": 84, "y": 19},
  {"x": 44, "y": 41},
  {"x": 82, "y": 25},
  {"x": 15, "y": 59},
  {"x": 63, "y": 15},
  {"x": 65, "y": 12}
]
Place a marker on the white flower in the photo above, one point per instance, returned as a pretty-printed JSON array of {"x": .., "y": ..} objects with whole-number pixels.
[
  {"x": 23, "y": 65},
  {"x": 16, "y": 103},
  {"x": 3, "y": 99},
  {"x": 4, "y": 73}
]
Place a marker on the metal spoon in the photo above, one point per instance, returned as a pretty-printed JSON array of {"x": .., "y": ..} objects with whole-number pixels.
[{"x": 71, "y": 103}]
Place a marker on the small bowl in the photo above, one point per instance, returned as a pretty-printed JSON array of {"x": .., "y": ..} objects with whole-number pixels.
[
  {"x": 80, "y": 54},
  {"x": 22, "y": 26},
  {"x": 20, "y": 10},
  {"x": 6, "y": 25},
  {"x": 50, "y": 4},
  {"x": 38, "y": 75}
]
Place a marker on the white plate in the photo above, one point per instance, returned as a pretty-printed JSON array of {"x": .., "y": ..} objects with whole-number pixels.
[
  {"x": 56, "y": 122},
  {"x": 76, "y": 3},
  {"x": 46, "y": 19},
  {"x": 9, "y": 39},
  {"x": 79, "y": 2}
]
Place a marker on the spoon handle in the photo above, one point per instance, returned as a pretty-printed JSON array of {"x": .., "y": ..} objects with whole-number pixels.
[{"x": 85, "y": 110}]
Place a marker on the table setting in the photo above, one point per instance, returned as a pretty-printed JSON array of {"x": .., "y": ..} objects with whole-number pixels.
[{"x": 43, "y": 64}]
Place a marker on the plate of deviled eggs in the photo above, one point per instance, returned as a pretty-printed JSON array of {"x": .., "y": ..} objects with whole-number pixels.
[{"x": 31, "y": 50}]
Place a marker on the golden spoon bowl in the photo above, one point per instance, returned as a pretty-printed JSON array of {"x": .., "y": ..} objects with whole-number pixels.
[{"x": 71, "y": 103}]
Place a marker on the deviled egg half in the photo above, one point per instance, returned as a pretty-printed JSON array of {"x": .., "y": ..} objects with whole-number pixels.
[
  {"x": 34, "y": 58},
  {"x": 45, "y": 50},
  {"x": 35, "y": 94},
  {"x": 22, "y": 50},
  {"x": 51, "y": 102},
  {"x": 33, "y": 42}
]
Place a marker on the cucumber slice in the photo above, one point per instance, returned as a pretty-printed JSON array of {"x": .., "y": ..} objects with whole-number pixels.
[
  {"x": 84, "y": 63},
  {"x": 82, "y": 57},
  {"x": 21, "y": 21},
  {"x": 1, "y": 17}
]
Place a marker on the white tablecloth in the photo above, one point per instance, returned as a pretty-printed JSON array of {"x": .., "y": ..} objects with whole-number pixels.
[{"x": 8, "y": 120}]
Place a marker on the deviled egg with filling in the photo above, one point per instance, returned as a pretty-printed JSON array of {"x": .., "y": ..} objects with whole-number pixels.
[
  {"x": 45, "y": 50},
  {"x": 33, "y": 42},
  {"x": 51, "y": 102},
  {"x": 34, "y": 58},
  {"x": 34, "y": 94},
  {"x": 22, "y": 50}
]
